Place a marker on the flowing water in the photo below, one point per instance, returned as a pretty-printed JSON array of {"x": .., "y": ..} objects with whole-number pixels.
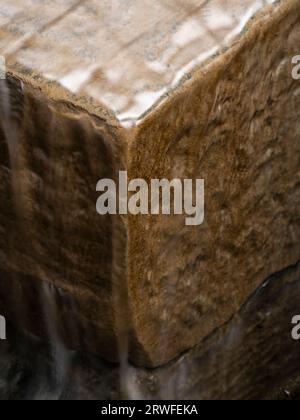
[
  {"x": 53, "y": 382},
  {"x": 11, "y": 106},
  {"x": 61, "y": 357}
]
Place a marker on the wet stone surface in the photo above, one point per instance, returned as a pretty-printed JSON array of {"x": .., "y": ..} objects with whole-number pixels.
[{"x": 124, "y": 53}]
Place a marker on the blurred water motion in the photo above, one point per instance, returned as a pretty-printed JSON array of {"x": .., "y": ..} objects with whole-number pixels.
[{"x": 123, "y": 53}]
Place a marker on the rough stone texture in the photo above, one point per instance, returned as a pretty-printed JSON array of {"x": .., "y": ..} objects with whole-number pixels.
[
  {"x": 235, "y": 125},
  {"x": 59, "y": 262},
  {"x": 64, "y": 272},
  {"x": 252, "y": 357}
]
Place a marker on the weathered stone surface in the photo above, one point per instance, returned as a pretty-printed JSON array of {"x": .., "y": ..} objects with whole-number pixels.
[
  {"x": 235, "y": 124},
  {"x": 66, "y": 272}
]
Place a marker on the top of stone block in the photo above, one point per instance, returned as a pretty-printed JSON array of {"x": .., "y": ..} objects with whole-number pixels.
[{"x": 125, "y": 54}]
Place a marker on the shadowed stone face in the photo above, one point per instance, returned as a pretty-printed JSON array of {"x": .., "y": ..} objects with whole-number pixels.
[{"x": 50, "y": 232}]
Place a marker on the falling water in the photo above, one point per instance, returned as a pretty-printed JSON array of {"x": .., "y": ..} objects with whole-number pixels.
[
  {"x": 129, "y": 381},
  {"x": 129, "y": 388},
  {"x": 11, "y": 107},
  {"x": 11, "y": 97},
  {"x": 11, "y": 119},
  {"x": 61, "y": 357}
]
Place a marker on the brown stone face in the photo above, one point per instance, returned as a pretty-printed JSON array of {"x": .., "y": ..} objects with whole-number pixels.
[
  {"x": 235, "y": 124},
  {"x": 53, "y": 244}
]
